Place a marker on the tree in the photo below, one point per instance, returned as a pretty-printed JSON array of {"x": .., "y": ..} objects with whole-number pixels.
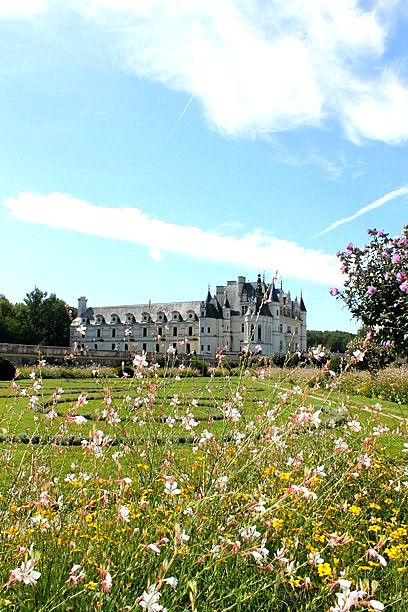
[
  {"x": 376, "y": 288},
  {"x": 43, "y": 320},
  {"x": 334, "y": 341},
  {"x": 9, "y": 326}
]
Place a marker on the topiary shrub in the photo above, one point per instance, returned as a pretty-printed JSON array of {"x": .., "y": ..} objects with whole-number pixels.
[
  {"x": 125, "y": 371},
  {"x": 7, "y": 370},
  {"x": 199, "y": 365},
  {"x": 337, "y": 364}
]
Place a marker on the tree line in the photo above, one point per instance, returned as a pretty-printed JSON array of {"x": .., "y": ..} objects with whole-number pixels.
[
  {"x": 40, "y": 319},
  {"x": 333, "y": 341}
]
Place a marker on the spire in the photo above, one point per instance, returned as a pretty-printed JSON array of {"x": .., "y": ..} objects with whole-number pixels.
[
  {"x": 209, "y": 298},
  {"x": 302, "y": 304}
]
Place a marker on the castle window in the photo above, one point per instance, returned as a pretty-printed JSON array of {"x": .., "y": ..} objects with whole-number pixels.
[
  {"x": 126, "y": 347},
  {"x": 208, "y": 329},
  {"x": 202, "y": 330},
  {"x": 208, "y": 348},
  {"x": 113, "y": 347},
  {"x": 96, "y": 346},
  {"x": 144, "y": 332},
  {"x": 188, "y": 348},
  {"x": 157, "y": 348},
  {"x": 242, "y": 327},
  {"x": 113, "y": 333},
  {"x": 174, "y": 331},
  {"x": 190, "y": 331},
  {"x": 259, "y": 332},
  {"x": 144, "y": 347},
  {"x": 160, "y": 331},
  {"x": 98, "y": 333}
]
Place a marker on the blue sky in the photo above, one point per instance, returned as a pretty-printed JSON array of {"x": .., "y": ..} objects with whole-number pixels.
[{"x": 149, "y": 147}]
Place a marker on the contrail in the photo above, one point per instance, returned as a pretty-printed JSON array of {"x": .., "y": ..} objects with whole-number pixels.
[
  {"x": 183, "y": 112},
  {"x": 365, "y": 209}
]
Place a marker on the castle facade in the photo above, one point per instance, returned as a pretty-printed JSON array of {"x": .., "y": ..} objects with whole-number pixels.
[{"x": 241, "y": 315}]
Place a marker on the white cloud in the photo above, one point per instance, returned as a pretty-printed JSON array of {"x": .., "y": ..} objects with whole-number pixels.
[
  {"x": 156, "y": 254},
  {"x": 21, "y": 8},
  {"x": 259, "y": 67},
  {"x": 254, "y": 250},
  {"x": 396, "y": 193}
]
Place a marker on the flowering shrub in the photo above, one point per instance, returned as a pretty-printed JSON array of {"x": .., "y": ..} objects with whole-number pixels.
[{"x": 376, "y": 289}]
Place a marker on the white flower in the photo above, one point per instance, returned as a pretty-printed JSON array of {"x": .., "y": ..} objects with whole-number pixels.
[
  {"x": 250, "y": 533},
  {"x": 373, "y": 553},
  {"x": 25, "y": 573},
  {"x": 172, "y": 581},
  {"x": 124, "y": 513},
  {"x": 150, "y": 600},
  {"x": 171, "y": 487},
  {"x": 139, "y": 361},
  {"x": 376, "y": 605},
  {"x": 78, "y": 419}
]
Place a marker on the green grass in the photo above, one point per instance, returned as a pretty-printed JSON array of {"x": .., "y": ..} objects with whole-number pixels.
[{"x": 281, "y": 487}]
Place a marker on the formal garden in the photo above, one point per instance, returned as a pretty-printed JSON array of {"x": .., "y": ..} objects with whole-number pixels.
[{"x": 253, "y": 487}]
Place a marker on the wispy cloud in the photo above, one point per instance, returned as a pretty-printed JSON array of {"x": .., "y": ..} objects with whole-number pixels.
[
  {"x": 260, "y": 67},
  {"x": 332, "y": 169},
  {"x": 254, "y": 250},
  {"x": 396, "y": 193},
  {"x": 22, "y": 8}
]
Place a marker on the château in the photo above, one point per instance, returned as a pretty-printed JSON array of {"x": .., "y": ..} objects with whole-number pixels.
[{"x": 241, "y": 315}]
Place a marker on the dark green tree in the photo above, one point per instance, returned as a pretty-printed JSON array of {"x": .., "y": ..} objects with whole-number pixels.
[
  {"x": 44, "y": 319},
  {"x": 10, "y": 330},
  {"x": 333, "y": 341}
]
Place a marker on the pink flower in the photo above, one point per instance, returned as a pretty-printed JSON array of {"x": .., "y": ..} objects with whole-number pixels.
[
  {"x": 106, "y": 583},
  {"x": 334, "y": 291},
  {"x": 396, "y": 258},
  {"x": 25, "y": 573},
  {"x": 404, "y": 286},
  {"x": 371, "y": 289},
  {"x": 139, "y": 361},
  {"x": 76, "y": 575}
]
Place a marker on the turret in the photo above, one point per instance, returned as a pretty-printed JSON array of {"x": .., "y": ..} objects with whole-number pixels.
[{"x": 82, "y": 305}]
